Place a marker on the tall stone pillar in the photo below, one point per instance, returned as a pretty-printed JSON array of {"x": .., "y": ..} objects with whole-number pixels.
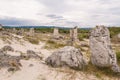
[
  {"x": 75, "y": 33},
  {"x": 56, "y": 32},
  {"x": 22, "y": 30},
  {"x": 31, "y": 31},
  {"x": 14, "y": 30},
  {"x": 102, "y": 54},
  {"x": 71, "y": 34}
]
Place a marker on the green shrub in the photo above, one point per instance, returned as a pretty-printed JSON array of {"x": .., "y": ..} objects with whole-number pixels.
[
  {"x": 114, "y": 31},
  {"x": 82, "y": 36},
  {"x": 118, "y": 55}
]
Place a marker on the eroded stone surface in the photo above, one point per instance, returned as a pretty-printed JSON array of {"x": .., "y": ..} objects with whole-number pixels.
[
  {"x": 9, "y": 61},
  {"x": 74, "y": 34},
  {"x": 102, "y": 54},
  {"x": 67, "y": 56}
]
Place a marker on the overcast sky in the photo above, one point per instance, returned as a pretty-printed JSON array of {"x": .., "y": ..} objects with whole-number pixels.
[{"x": 82, "y": 13}]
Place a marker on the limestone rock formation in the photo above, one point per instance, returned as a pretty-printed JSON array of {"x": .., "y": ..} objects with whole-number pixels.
[
  {"x": 102, "y": 54},
  {"x": 74, "y": 34},
  {"x": 56, "y": 34},
  {"x": 67, "y": 56},
  {"x": 31, "y": 32}
]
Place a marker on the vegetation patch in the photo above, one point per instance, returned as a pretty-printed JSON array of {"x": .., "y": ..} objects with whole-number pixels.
[
  {"x": 118, "y": 55},
  {"x": 33, "y": 40},
  {"x": 101, "y": 72},
  {"x": 50, "y": 44}
]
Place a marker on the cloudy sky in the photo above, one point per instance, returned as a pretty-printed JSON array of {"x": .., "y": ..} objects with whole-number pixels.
[{"x": 82, "y": 13}]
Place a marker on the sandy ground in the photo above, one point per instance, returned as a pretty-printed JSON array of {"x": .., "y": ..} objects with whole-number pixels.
[{"x": 37, "y": 70}]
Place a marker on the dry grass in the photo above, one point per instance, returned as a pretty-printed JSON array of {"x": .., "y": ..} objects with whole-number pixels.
[{"x": 50, "y": 44}]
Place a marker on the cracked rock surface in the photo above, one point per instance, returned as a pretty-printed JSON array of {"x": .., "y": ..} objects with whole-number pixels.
[
  {"x": 67, "y": 56},
  {"x": 102, "y": 54}
]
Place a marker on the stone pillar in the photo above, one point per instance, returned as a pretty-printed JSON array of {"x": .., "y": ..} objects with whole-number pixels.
[
  {"x": 22, "y": 30},
  {"x": 102, "y": 54},
  {"x": 56, "y": 32},
  {"x": 75, "y": 33},
  {"x": 31, "y": 31},
  {"x": 71, "y": 34},
  {"x": 14, "y": 30}
]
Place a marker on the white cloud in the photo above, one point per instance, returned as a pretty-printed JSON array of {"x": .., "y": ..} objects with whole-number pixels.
[{"x": 62, "y": 12}]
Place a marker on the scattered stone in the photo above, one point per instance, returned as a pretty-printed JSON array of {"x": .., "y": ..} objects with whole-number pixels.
[
  {"x": 102, "y": 54},
  {"x": 9, "y": 61},
  {"x": 31, "y": 55},
  {"x": 7, "y": 48},
  {"x": 12, "y": 69},
  {"x": 67, "y": 56},
  {"x": 31, "y": 65}
]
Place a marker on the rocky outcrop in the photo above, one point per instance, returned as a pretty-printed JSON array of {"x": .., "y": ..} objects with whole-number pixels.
[
  {"x": 67, "y": 56},
  {"x": 102, "y": 54},
  {"x": 9, "y": 61}
]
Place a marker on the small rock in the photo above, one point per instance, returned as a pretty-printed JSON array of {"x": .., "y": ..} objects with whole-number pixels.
[
  {"x": 32, "y": 54},
  {"x": 31, "y": 65},
  {"x": 7, "y": 48}
]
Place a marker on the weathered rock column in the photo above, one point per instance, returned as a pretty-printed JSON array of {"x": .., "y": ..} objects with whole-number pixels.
[
  {"x": 102, "y": 54},
  {"x": 74, "y": 34},
  {"x": 14, "y": 30},
  {"x": 22, "y": 30},
  {"x": 56, "y": 33},
  {"x": 71, "y": 34},
  {"x": 31, "y": 31}
]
